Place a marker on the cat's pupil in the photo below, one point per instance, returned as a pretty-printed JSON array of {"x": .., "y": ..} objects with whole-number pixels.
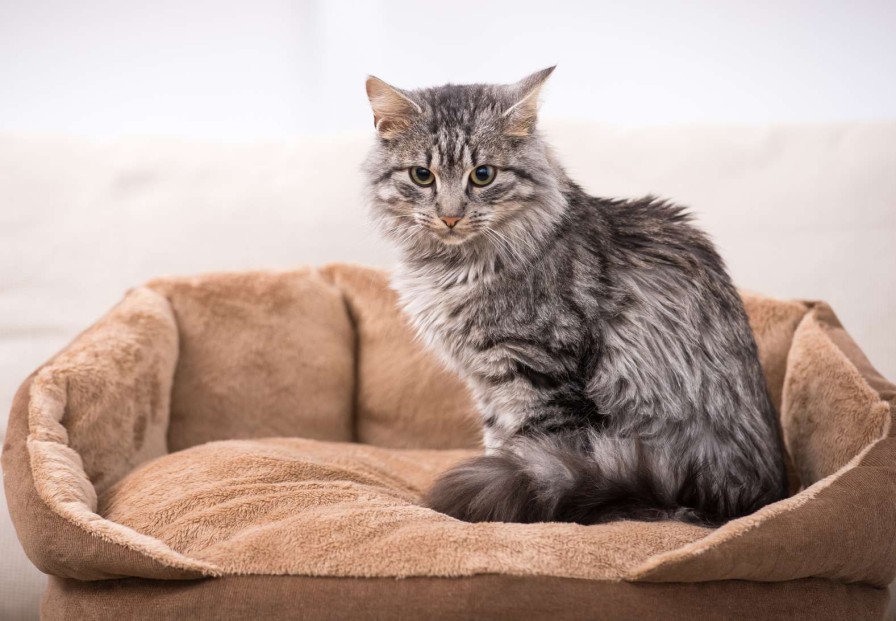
[
  {"x": 423, "y": 174},
  {"x": 482, "y": 173}
]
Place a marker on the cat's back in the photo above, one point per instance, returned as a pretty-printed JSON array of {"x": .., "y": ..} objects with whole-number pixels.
[
  {"x": 669, "y": 315},
  {"x": 653, "y": 233}
]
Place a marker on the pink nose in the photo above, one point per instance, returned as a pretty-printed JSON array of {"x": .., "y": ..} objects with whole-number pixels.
[{"x": 449, "y": 221}]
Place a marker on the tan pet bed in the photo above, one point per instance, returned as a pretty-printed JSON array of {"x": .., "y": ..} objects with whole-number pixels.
[{"x": 275, "y": 431}]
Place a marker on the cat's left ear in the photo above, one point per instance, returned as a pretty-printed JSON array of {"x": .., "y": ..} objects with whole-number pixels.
[
  {"x": 393, "y": 109},
  {"x": 521, "y": 116}
]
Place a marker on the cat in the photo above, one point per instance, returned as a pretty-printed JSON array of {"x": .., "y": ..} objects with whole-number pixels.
[{"x": 606, "y": 348}]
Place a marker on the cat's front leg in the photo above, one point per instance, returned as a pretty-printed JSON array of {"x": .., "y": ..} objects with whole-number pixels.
[
  {"x": 509, "y": 410},
  {"x": 494, "y": 431},
  {"x": 492, "y": 440}
]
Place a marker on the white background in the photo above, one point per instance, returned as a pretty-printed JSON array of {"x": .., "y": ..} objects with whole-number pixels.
[{"x": 273, "y": 69}]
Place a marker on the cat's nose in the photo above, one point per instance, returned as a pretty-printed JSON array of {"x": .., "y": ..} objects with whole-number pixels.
[{"x": 450, "y": 221}]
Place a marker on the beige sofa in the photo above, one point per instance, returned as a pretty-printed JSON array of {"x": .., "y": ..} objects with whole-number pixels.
[{"x": 799, "y": 212}]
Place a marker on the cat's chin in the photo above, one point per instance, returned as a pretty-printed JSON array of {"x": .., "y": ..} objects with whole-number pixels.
[{"x": 454, "y": 238}]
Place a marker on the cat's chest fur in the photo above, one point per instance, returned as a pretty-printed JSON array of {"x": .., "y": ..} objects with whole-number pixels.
[{"x": 456, "y": 312}]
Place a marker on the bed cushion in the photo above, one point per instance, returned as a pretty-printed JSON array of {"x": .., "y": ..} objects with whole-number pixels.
[{"x": 286, "y": 424}]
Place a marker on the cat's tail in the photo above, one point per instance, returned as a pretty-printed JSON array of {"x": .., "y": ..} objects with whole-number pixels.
[{"x": 543, "y": 481}]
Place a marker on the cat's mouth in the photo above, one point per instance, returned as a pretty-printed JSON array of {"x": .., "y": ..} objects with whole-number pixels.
[{"x": 453, "y": 236}]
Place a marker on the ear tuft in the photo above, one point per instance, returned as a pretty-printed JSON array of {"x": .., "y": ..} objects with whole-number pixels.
[
  {"x": 393, "y": 110},
  {"x": 523, "y": 114}
]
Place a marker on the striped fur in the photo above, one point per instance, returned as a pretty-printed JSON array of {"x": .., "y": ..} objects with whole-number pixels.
[{"x": 606, "y": 347}]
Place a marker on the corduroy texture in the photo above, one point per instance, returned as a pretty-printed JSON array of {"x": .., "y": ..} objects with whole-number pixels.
[{"x": 324, "y": 354}]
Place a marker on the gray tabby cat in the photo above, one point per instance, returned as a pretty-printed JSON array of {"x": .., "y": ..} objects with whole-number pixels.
[{"x": 608, "y": 352}]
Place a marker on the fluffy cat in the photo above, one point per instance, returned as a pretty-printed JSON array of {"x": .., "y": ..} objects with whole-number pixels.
[{"x": 609, "y": 354}]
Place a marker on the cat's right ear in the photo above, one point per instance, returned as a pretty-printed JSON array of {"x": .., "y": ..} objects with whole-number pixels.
[
  {"x": 393, "y": 110},
  {"x": 521, "y": 116}
]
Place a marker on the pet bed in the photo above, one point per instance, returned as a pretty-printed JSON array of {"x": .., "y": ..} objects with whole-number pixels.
[{"x": 256, "y": 444}]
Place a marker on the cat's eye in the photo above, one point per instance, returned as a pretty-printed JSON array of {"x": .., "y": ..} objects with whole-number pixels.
[
  {"x": 422, "y": 176},
  {"x": 483, "y": 175}
]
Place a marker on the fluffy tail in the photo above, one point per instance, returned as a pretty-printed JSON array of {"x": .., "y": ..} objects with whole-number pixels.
[{"x": 543, "y": 482}]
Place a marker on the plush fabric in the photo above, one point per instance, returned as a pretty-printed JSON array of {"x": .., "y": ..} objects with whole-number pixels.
[
  {"x": 149, "y": 448},
  {"x": 244, "y": 339},
  {"x": 290, "y": 506}
]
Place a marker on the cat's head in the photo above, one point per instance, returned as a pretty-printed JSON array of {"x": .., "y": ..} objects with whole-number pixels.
[{"x": 461, "y": 166}]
